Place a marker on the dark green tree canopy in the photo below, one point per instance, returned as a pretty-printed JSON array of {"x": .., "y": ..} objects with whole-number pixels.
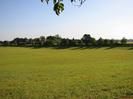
[{"x": 58, "y": 5}]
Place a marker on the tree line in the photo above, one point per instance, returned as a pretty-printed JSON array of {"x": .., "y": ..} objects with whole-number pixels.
[{"x": 56, "y": 41}]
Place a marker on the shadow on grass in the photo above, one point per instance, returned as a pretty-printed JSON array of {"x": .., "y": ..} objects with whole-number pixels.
[
  {"x": 83, "y": 47},
  {"x": 69, "y": 47},
  {"x": 131, "y": 48},
  {"x": 111, "y": 47}
]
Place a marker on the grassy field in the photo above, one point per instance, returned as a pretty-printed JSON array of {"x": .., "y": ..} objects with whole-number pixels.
[{"x": 73, "y": 73}]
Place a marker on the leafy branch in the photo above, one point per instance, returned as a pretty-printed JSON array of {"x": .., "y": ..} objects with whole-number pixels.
[{"x": 58, "y": 5}]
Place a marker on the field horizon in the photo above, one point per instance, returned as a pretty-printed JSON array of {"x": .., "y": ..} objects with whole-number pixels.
[{"x": 66, "y": 73}]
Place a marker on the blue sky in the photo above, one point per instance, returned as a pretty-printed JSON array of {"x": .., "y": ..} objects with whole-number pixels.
[{"x": 100, "y": 18}]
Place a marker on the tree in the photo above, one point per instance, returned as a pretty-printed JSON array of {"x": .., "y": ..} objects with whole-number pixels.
[
  {"x": 29, "y": 42},
  {"x": 53, "y": 40},
  {"x": 100, "y": 42},
  {"x": 20, "y": 41},
  {"x": 57, "y": 40},
  {"x": 1, "y": 43},
  {"x": 93, "y": 41},
  {"x": 5, "y": 43},
  {"x": 42, "y": 40},
  {"x": 123, "y": 40},
  {"x": 65, "y": 42},
  {"x": 106, "y": 42},
  {"x": 88, "y": 40},
  {"x": 50, "y": 41},
  {"x": 58, "y": 5},
  {"x": 112, "y": 42}
]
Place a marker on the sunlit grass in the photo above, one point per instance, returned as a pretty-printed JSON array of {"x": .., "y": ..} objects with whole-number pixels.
[{"x": 74, "y": 73}]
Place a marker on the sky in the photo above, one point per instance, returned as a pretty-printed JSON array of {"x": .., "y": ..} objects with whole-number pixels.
[{"x": 99, "y": 18}]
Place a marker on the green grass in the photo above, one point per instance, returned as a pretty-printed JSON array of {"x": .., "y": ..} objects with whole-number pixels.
[{"x": 46, "y": 73}]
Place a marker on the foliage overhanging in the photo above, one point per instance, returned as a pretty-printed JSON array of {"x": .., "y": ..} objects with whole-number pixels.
[{"x": 58, "y": 5}]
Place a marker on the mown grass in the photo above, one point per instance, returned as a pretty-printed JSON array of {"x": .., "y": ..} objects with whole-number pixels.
[{"x": 46, "y": 73}]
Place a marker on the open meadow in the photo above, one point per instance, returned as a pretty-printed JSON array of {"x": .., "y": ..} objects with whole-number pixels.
[{"x": 71, "y": 73}]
